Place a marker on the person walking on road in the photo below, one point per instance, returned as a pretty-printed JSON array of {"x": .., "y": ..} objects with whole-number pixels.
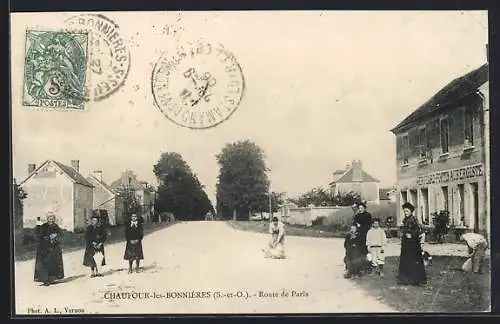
[
  {"x": 94, "y": 256},
  {"x": 411, "y": 261},
  {"x": 48, "y": 261},
  {"x": 276, "y": 248},
  {"x": 134, "y": 233}
]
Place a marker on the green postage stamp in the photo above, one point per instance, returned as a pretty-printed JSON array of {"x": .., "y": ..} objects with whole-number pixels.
[{"x": 55, "y": 69}]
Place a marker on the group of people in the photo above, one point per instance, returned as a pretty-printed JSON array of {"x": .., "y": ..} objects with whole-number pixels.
[
  {"x": 49, "y": 261},
  {"x": 366, "y": 241}
]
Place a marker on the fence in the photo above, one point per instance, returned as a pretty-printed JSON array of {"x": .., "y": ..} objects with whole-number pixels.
[
  {"x": 339, "y": 217},
  {"x": 307, "y": 216}
]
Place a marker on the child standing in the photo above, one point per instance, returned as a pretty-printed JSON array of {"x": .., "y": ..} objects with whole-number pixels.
[
  {"x": 354, "y": 253},
  {"x": 376, "y": 241},
  {"x": 134, "y": 233}
]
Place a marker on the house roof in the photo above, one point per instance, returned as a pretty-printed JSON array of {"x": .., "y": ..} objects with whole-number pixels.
[
  {"x": 348, "y": 177},
  {"x": 101, "y": 183},
  {"x": 458, "y": 88},
  {"x": 74, "y": 175}
]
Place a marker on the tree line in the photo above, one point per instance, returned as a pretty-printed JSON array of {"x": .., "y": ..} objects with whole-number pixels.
[{"x": 242, "y": 187}]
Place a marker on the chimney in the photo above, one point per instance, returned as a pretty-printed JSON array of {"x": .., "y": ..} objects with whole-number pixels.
[
  {"x": 357, "y": 173},
  {"x": 31, "y": 168},
  {"x": 76, "y": 165}
]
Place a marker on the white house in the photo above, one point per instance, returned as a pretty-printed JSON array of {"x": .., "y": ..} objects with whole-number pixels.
[{"x": 60, "y": 188}]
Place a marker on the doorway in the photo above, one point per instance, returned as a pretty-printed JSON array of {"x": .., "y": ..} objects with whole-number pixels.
[{"x": 475, "y": 204}]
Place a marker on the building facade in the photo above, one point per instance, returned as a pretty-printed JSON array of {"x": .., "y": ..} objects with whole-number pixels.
[
  {"x": 441, "y": 154},
  {"x": 57, "y": 187},
  {"x": 106, "y": 198},
  {"x": 144, "y": 192},
  {"x": 354, "y": 179}
]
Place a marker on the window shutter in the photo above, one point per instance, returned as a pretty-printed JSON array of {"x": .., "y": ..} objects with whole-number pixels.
[
  {"x": 399, "y": 147},
  {"x": 413, "y": 137},
  {"x": 434, "y": 139},
  {"x": 457, "y": 127}
]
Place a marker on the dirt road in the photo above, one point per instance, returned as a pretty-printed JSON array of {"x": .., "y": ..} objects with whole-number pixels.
[{"x": 202, "y": 267}]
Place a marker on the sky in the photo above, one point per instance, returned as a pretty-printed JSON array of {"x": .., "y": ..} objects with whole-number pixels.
[{"x": 323, "y": 88}]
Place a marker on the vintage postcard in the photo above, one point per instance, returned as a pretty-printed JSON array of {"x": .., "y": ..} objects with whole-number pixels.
[{"x": 250, "y": 162}]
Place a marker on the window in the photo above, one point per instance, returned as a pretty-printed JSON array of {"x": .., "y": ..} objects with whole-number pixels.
[
  {"x": 406, "y": 148},
  {"x": 422, "y": 143},
  {"x": 445, "y": 134},
  {"x": 469, "y": 127}
]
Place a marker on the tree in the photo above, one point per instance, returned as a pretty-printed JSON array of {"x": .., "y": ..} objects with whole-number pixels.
[
  {"x": 242, "y": 182},
  {"x": 277, "y": 199},
  {"x": 19, "y": 195},
  {"x": 180, "y": 192},
  {"x": 320, "y": 197}
]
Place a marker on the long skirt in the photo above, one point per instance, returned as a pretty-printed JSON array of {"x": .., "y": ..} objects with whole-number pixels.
[
  {"x": 411, "y": 263},
  {"x": 355, "y": 261},
  {"x": 133, "y": 251},
  {"x": 49, "y": 264},
  {"x": 88, "y": 257}
]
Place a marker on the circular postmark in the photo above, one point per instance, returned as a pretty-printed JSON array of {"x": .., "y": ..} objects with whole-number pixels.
[
  {"x": 199, "y": 85},
  {"x": 109, "y": 56}
]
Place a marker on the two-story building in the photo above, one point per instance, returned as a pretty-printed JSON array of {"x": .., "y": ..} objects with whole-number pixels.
[
  {"x": 442, "y": 154},
  {"x": 60, "y": 188}
]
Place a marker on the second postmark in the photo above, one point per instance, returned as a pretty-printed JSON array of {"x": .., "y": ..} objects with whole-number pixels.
[{"x": 199, "y": 85}]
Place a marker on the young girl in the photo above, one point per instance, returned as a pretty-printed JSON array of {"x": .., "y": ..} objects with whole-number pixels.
[
  {"x": 95, "y": 236},
  {"x": 134, "y": 234},
  {"x": 354, "y": 253}
]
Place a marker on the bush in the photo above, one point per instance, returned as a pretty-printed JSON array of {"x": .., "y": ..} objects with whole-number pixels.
[{"x": 441, "y": 221}]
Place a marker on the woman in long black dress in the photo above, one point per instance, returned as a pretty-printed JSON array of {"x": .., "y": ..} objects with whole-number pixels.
[
  {"x": 411, "y": 263},
  {"x": 95, "y": 236},
  {"x": 134, "y": 234},
  {"x": 49, "y": 262}
]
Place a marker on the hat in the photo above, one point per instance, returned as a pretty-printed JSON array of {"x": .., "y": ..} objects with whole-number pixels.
[
  {"x": 361, "y": 204},
  {"x": 275, "y": 219},
  {"x": 409, "y": 206}
]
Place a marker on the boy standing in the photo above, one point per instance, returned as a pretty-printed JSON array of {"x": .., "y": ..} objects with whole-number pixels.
[
  {"x": 354, "y": 253},
  {"x": 376, "y": 241}
]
